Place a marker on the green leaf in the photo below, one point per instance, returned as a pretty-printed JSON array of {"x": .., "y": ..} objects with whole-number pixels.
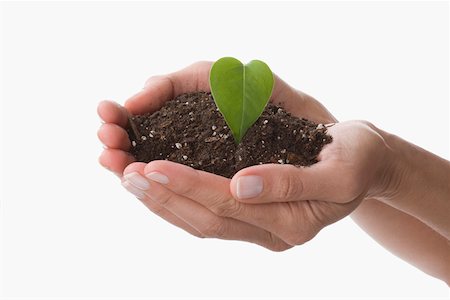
[{"x": 241, "y": 92}]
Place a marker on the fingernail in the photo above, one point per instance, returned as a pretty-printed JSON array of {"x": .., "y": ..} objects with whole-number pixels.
[
  {"x": 134, "y": 190},
  {"x": 158, "y": 177},
  {"x": 249, "y": 186},
  {"x": 137, "y": 180}
]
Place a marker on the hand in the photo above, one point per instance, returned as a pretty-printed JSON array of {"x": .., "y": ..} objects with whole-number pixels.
[
  {"x": 203, "y": 204},
  {"x": 277, "y": 206}
]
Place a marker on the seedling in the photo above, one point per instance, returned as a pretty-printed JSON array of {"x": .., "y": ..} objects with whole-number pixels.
[{"x": 241, "y": 92}]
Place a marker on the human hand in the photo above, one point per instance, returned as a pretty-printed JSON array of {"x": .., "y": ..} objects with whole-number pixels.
[
  {"x": 276, "y": 206},
  {"x": 277, "y": 226}
]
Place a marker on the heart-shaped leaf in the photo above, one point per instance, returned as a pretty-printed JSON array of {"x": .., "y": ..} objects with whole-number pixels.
[{"x": 241, "y": 92}]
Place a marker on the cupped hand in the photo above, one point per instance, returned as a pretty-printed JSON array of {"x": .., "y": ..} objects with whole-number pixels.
[{"x": 276, "y": 206}]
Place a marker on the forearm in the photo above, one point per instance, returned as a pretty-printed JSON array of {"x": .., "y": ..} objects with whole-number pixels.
[
  {"x": 406, "y": 237},
  {"x": 417, "y": 183}
]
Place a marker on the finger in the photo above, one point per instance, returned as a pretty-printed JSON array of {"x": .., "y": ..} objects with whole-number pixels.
[
  {"x": 211, "y": 225},
  {"x": 283, "y": 94},
  {"x": 112, "y": 112},
  {"x": 161, "y": 211},
  {"x": 314, "y": 110},
  {"x": 324, "y": 181},
  {"x": 213, "y": 192},
  {"x": 159, "y": 89},
  {"x": 299, "y": 104},
  {"x": 113, "y": 136},
  {"x": 190, "y": 79},
  {"x": 152, "y": 97},
  {"x": 115, "y": 160},
  {"x": 201, "y": 218},
  {"x": 152, "y": 205}
]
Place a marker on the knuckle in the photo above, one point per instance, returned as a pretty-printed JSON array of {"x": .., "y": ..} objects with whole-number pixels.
[
  {"x": 366, "y": 123},
  {"x": 275, "y": 244},
  {"x": 295, "y": 240},
  {"x": 297, "y": 237},
  {"x": 287, "y": 188},
  {"x": 154, "y": 207},
  {"x": 197, "y": 234},
  {"x": 214, "y": 229},
  {"x": 200, "y": 235},
  {"x": 279, "y": 247},
  {"x": 190, "y": 188},
  {"x": 227, "y": 208},
  {"x": 163, "y": 199}
]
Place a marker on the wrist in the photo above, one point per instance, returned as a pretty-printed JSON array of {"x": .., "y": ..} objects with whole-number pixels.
[
  {"x": 391, "y": 170},
  {"x": 414, "y": 181}
]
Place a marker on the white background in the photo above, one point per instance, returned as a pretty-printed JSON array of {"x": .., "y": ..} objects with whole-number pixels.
[{"x": 68, "y": 227}]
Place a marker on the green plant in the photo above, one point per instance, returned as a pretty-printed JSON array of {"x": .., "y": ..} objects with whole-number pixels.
[{"x": 241, "y": 92}]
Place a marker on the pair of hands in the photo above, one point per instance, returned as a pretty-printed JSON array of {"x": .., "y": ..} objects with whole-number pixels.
[{"x": 275, "y": 206}]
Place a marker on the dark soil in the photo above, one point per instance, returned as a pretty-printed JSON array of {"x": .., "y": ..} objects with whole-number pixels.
[{"x": 190, "y": 130}]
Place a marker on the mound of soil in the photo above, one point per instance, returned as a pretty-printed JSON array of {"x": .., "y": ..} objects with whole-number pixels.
[{"x": 190, "y": 130}]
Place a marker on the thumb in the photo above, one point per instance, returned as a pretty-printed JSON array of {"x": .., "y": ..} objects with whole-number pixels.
[{"x": 284, "y": 183}]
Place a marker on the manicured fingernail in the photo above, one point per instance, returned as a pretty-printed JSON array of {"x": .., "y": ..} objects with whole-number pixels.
[
  {"x": 158, "y": 177},
  {"x": 134, "y": 190},
  {"x": 249, "y": 186},
  {"x": 137, "y": 180}
]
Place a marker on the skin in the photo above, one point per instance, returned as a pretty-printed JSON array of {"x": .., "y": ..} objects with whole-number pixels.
[{"x": 397, "y": 192}]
